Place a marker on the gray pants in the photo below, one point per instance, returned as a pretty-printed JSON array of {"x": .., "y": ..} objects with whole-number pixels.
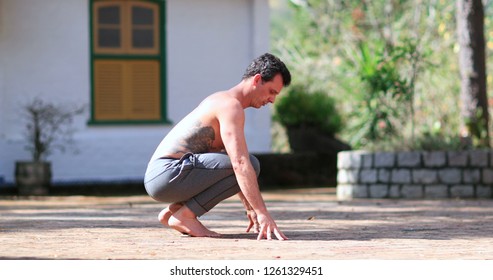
[{"x": 200, "y": 181}]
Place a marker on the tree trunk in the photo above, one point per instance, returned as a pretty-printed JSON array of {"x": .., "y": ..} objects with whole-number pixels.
[{"x": 472, "y": 64}]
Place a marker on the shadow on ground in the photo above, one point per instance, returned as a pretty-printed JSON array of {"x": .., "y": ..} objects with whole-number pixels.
[{"x": 315, "y": 220}]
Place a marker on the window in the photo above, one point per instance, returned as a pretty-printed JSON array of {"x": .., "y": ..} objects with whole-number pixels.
[{"x": 127, "y": 61}]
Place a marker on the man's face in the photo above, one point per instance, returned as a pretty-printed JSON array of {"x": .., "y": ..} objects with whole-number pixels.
[{"x": 268, "y": 91}]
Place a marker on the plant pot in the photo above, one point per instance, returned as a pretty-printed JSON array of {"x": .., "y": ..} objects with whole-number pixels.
[
  {"x": 33, "y": 178},
  {"x": 311, "y": 139},
  {"x": 303, "y": 139}
]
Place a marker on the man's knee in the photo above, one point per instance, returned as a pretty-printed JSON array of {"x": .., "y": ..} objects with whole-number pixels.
[{"x": 255, "y": 164}]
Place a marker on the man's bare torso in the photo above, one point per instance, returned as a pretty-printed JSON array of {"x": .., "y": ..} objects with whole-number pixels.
[{"x": 197, "y": 133}]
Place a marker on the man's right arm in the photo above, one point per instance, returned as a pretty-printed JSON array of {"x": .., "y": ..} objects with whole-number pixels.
[{"x": 232, "y": 119}]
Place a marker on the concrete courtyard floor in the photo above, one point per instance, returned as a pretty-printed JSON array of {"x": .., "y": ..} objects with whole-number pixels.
[{"x": 319, "y": 227}]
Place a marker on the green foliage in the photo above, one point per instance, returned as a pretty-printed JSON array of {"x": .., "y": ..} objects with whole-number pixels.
[
  {"x": 387, "y": 101},
  {"x": 298, "y": 107},
  {"x": 434, "y": 138},
  {"x": 429, "y": 142},
  {"x": 477, "y": 128},
  {"x": 429, "y": 138},
  {"x": 391, "y": 66}
]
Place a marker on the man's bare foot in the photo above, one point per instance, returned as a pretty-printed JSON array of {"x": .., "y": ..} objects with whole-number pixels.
[
  {"x": 185, "y": 221},
  {"x": 166, "y": 213}
]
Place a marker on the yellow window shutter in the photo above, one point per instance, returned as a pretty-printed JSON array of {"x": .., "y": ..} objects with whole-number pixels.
[
  {"x": 127, "y": 90},
  {"x": 144, "y": 87},
  {"x": 108, "y": 90}
]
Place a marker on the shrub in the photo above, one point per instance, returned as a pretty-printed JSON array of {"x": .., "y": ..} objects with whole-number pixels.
[{"x": 300, "y": 108}]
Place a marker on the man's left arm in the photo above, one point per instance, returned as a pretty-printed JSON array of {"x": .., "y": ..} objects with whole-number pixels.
[{"x": 251, "y": 215}]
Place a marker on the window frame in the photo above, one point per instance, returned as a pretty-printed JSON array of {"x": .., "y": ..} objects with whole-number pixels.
[{"x": 160, "y": 56}]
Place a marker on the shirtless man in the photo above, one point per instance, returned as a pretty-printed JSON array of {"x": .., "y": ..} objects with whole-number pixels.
[{"x": 204, "y": 159}]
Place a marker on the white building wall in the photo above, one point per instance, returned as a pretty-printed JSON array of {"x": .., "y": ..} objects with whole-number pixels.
[{"x": 44, "y": 51}]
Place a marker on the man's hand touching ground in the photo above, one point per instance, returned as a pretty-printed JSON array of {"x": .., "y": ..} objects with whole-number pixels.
[
  {"x": 268, "y": 227},
  {"x": 252, "y": 217}
]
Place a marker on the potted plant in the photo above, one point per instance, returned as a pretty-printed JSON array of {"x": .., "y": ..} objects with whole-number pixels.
[
  {"x": 311, "y": 120},
  {"x": 48, "y": 128}
]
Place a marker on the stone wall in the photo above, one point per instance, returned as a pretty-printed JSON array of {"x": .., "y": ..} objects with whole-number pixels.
[{"x": 415, "y": 175}]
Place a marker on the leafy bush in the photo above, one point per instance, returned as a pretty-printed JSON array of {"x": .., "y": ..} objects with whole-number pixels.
[
  {"x": 387, "y": 101},
  {"x": 300, "y": 108},
  {"x": 320, "y": 41}
]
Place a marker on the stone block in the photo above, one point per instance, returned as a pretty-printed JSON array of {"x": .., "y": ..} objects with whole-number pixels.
[
  {"x": 436, "y": 191},
  {"x": 425, "y": 176},
  {"x": 462, "y": 191},
  {"x": 434, "y": 159},
  {"x": 412, "y": 191},
  {"x": 360, "y": 191},
  {"x": 471, "y": 176},
  {"x": 457, "y": 158},
  {"x": 347, "y": 176},
  {"x": 379, "y": 191},
  {"x": 350, "y": 159},
  {"x": 487, "y": 176},
  {"x": 344, "y": 192},
  {"x": 483, "y": 191},
  {"x": 395, "y": 191},
  {"x": 401, "y": 176},
  {"x": 384, "y": 159},
  {"x": 368, "y": 176},
  {"x": 367, "y": 160},
  {"x": 409, "y": 159},
  {"x": 478, "y": 158},
  {"x": 349, "y": 191},
  {"x": 383, "y": 176},
  {"x": 450, "y": 175}
]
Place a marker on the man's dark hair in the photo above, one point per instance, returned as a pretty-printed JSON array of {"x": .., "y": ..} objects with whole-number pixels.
[{"x": 268, "y": 66}]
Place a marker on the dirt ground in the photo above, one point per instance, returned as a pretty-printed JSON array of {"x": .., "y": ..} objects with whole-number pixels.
[{"x": 319, "y": 227}]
